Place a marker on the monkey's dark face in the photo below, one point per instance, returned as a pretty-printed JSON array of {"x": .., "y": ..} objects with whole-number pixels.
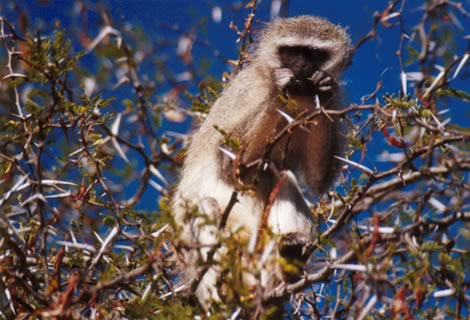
[{"x": 302, "y": 60}]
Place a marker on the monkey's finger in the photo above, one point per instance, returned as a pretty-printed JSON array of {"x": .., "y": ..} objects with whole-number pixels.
[
  {"x": 316, "y": 77},
  {"x": 325, "y": 88},
  {"x": 326, "y": 80}
]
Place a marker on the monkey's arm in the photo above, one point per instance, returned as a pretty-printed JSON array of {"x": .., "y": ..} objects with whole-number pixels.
[
  {"x": 315, "y": 153},
  {"x": 311, "y": 152},
  {"x": 257, "y": 141},
  {"x": 308, "y": 153}
]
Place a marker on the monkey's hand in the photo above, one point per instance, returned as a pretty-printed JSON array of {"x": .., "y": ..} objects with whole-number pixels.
[
  {"x": 283, "y": 77},
  {"x": 323, "y": 83}
]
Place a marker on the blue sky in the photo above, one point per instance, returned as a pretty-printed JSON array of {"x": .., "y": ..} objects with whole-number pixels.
[{"x": 373, "y": 61}]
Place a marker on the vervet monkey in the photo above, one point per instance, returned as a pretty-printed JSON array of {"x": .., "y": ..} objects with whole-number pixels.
[{"x": 296, "y": 59}]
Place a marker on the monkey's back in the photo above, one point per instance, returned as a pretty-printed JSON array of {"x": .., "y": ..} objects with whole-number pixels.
[{"x": 203, "y": 168}]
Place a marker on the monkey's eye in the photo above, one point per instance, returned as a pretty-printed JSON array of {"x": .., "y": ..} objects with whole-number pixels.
[
  {"x": 318, "y": 55},
  {"x": 290, "y": 53}
]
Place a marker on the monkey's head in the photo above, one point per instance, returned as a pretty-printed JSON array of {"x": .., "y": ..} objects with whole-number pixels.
[{"x": 304, "y": 44}]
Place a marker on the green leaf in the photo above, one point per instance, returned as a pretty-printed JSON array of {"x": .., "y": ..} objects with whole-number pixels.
[{"x": 454, "y": 93}]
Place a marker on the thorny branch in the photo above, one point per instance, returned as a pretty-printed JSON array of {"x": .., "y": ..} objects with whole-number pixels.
[{"x": 74, "y": 168}]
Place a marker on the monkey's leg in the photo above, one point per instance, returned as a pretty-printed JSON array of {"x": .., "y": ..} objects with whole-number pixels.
[
  {"x": 291, "y": 217},
  {"x": 206, "y": 291},
  {"x": 202, "y": 232},
  {"x": 315, "y": 153},
  {"x": 259, "y": 145},
  {"x": 206, "y": 235}
]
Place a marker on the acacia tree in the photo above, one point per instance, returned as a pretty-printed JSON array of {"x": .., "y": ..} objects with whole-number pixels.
[{"x": 82, "y": 148}]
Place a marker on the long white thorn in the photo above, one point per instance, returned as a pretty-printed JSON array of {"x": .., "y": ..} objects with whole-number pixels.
[
  {"x": 285, "y": 116},
  {"x": 229, "y": 154},
  {"x": 356, "y": 165},
  {"x": 460, "y": 66}
]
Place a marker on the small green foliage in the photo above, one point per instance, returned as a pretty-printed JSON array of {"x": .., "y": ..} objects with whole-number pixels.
[
  {"x": 209, "y": 91},
  {"x": 454, "y": 93},
  {"x": 289, "y": 267},
  {"x": 289, "y": 104},
  {"x": 35, "y": 108},
  {"x": 50, "y": 58},
  {"x": 354, "y": 186},
  {"x": 230, "y": 139},
  {"x": 83, "y": 234},
  {"x": 109, "y": 221},
  {"x": 354, "y": 141},
  {"x": 399, "y": 103},
  {"x": 412, "y": 55},
  {"x": 110, "y": 272},
  {"x": 129, "y": 104},
  {"x": 430, "y": 246},
  {"x": 425, "y": 113},
  {"x": 453, "y": 267}
]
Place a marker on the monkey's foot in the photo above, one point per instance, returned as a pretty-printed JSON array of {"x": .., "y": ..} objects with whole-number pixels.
[
  {"x": 282, "y": 77},
  {"x": 295, "y": 247},
  {"x": 323, "y": 82}
]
